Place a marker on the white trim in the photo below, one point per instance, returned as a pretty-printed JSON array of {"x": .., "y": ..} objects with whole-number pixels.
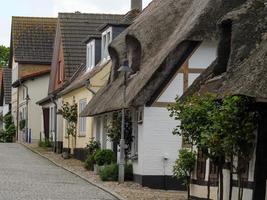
[
  {"x": 90, "y": 55},
  {"x": 105, "y": 42},
  {"x": 82, "y": 120}
]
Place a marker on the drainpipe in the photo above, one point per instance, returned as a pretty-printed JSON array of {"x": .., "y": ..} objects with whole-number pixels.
[
  {"x": 52, "y": 98},
  {"x": 27, "y": 110}
]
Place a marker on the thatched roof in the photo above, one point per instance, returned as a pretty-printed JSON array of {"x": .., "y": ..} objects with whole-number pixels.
[
  {"x": 168, "y": 31},
  {"x": 246, "y": 69}
]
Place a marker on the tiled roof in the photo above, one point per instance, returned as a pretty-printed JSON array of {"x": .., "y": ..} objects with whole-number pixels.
[
  {"x": 32, "y": 39},
  {"x": 74, "y": 28},
  {"x": 7, "y": 76}
]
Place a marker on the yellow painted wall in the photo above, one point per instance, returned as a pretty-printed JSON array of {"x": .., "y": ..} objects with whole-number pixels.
[{"x": 82, "y": 93}]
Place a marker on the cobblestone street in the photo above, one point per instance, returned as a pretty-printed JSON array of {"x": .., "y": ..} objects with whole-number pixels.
[{"x": 25, "y": 176}]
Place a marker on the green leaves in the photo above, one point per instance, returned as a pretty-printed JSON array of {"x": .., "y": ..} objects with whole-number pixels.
[
  {"x": 4, "y": 55},
  {"x": 221, "y": 128},
  {"x": 70, "y": 114},
  {"x": 185, "y": 164}
]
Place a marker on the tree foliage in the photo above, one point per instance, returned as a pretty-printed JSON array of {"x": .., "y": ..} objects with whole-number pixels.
[
  {"x": 114, "y": 130},
  {"x": 70, "y": 114},
  {"x": 9, "y": 132},
  {"x": 4, "y": 55},
  {"x": 184, "y": 166},
  {"x": 222, "y": 129}
]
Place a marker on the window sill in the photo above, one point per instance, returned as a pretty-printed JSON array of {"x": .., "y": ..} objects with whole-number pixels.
[{"x": 82, "y": 136}]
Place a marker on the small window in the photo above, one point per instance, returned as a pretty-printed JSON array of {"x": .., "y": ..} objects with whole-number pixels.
[
  {"x": 106, "y": 40},
  {"x": 90, "y": 57},
  {"x": 201, "y": 165},
  {"x": 82, "y": 120}
]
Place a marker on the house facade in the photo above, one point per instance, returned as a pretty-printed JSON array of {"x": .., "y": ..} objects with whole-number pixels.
[
  {"x": 238, "y": 72},
  {"x": 30, "y": 61},
  {"x": 163, "y": 66},
  {"x": 69, "y": 53}
]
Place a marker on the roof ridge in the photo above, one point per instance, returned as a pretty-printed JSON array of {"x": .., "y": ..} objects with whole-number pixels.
[
  {"x": 80, "y": 13},
  {"x": 33, "y": 17}
]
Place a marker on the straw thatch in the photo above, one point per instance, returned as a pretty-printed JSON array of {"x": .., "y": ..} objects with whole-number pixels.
[
  {"x": 246, "y": 68},
  {"x": 167, "y": 32}
]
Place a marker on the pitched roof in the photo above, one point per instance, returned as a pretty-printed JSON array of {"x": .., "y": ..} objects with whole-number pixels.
[
  {"x": 75, "y": 27},
  {"x": 173, "y": 28},
  {"x": 7, "y": 78},
  {"x": 32, "y": 39},
  {"x": 246, "y": 69}
]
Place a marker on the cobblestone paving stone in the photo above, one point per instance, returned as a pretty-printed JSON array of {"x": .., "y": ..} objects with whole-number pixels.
[{"x": 27, "y": 176}]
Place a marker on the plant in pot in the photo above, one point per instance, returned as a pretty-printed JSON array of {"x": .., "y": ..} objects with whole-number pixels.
[
  {"x": 104, "y": 157},
  {"x": 70, "y": 114}
]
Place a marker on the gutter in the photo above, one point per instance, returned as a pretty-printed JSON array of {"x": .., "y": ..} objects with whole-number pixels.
[
  {"x": 52, "y": 99},
  {"x": 87, "y": 86},
  {"x": 27, "y": 110}
]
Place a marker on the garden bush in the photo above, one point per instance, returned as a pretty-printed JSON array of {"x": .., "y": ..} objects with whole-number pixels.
[
  {"x": 110, "y": 172},
  {"x": 89, "y": 162},
  {"x": 105, "y": 157},
  {"x": 46, "y": 143}
]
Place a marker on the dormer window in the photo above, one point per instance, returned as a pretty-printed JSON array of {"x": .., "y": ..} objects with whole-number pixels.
[
  {"x": 90, "y": 58},
  {"x": 106, "y": 40}
]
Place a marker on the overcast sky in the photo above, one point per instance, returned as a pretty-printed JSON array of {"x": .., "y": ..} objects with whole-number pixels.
[{"x": 50, "y": 8}]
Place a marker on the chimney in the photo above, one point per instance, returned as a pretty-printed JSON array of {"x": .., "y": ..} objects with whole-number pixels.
[{"x": 136, "y": 5}]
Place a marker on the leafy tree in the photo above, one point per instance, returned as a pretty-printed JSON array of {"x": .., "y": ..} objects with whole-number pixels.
[
  {"x": 184, "y": 167},
  {"x": 4, "y": 55},
  {"x": 10, "y": 129},
  {"x": 70, "y": 114},
  {"x": 114, "y": 130},
  {"x": 220, "y": 129}
]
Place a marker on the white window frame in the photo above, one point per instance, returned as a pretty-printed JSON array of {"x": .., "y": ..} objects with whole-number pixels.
[
  {"x": 90, "y": 55},
  {"x": 105, "y": 42},
  {"x": 82, "y": 120}
]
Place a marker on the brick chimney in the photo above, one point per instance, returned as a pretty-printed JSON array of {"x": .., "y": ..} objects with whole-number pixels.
[{"x": 136, "y": 5}]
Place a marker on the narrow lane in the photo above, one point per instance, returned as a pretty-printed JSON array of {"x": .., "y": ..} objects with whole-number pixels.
[{"x": 27, "y": 176}]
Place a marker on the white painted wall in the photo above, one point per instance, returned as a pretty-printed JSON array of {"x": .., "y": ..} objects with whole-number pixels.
[
  {"x": 37, "y": 89},
  {"x": 155, "y": 140},
  {"x": 204, "y": 55},
  {"x": 200, "y": 59}
]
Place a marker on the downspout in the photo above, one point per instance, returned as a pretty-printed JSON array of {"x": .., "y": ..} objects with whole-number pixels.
[
  {"x": 52, "y": 99},
  {"x": 27, "y": 109}
]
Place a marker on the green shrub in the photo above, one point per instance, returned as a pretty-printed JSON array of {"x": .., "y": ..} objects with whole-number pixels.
[
  {"x": 104, "y": 157},
  {"x": 110, "y": 173},
  {"x": 128, "y": 172},
  {"x": 46, "y": 143},
  {"x": 93, "y": 146},
  {"x": 89, "y": 162}
]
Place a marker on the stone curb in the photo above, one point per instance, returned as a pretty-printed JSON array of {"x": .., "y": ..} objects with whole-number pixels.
[{"x": 75, "y": 173}]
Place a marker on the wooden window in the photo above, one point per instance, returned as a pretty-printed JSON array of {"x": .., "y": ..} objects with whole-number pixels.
[
  {"x": 106, "y": 40},
  {"x": 82, "y": 120},
  {"x": 201, "y": 165},
  {"x": 90, "y": 58}
]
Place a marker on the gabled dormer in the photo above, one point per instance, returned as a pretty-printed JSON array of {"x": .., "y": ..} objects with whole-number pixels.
[
  {"x": 109, "y": 32},
  {"x": 93, "y": 52}
]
